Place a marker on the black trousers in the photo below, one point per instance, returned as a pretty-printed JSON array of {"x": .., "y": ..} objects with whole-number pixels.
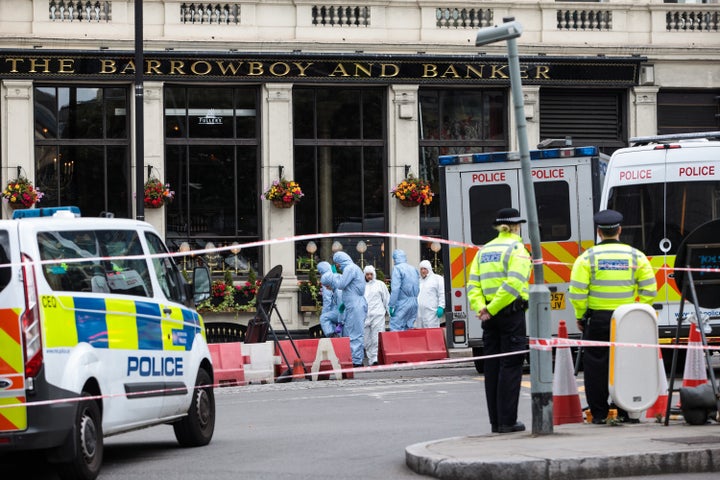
[
  {"x": 502, "y": 334},
  {"x": 596, "y": 363}
]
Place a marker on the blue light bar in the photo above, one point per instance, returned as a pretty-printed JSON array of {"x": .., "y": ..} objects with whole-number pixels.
[
  {"x": 504, "y": 156},
  {"x": 44, "y": 212}
]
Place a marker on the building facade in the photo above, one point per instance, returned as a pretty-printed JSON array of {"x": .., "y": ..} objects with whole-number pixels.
[{"x": 345, "y": 99}]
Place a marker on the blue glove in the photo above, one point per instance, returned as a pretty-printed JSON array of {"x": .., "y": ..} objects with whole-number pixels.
[
  {"x": 341, "y": 308},
  {"x": 338, "y": 328},
  {"x": 392, "y": 311},
  {"x": 440, "y": 312},
  {"x": 333, "y": 268}
]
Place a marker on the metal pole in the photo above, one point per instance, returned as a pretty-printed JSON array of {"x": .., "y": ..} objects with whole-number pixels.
[
  {"x": 139, "y": 114},
  {"x": 539, "y": 310}
]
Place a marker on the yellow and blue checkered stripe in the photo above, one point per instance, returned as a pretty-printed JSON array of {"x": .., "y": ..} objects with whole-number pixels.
[
  {"x": 13, "y": 415},
  {"x": 118, "y": 323}
]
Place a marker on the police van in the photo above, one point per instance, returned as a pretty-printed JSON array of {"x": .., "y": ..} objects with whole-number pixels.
[
  {"x": 98, "y": 336},
  {"x": 567, "y": 183},
  {"x": 666, "y": 186}
]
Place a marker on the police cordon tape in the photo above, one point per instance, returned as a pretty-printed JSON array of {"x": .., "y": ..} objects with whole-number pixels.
[
  {"x": 315, "y": 236},
  {"x": 534, "y": 343}
]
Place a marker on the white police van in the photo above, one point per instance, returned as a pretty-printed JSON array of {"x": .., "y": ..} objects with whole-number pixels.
[{"x": 98, "y": 336}]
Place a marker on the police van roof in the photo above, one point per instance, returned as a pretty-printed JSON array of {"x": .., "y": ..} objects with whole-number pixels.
[{"x": 545, "y": 154}]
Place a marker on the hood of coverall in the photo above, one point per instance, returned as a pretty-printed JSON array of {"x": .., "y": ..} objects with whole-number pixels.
[
  {"x": 326, "y": 279},
  {"x": 342, "y": 259},
  {"x": 399, "y": 256},
  {"x": 426, "y": 264},
  {"x": 323, "y": 268},
  {"x": 370, "y": 269}
]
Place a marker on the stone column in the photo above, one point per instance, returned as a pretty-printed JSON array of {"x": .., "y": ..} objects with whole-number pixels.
[
  {"x": 403, "y": 151},
  {"x": 643, "y": 117},
  {"x": 18, "y": 146},
  {"x": 154, "y": 147}
]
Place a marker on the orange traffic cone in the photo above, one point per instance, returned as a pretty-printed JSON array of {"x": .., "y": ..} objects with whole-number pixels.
[
  {"x": 660, "y": 406},
  {"x": 298, "y": 371},
  {"x": 566, "y": 399},
  {"x": 695, "y": 373}
]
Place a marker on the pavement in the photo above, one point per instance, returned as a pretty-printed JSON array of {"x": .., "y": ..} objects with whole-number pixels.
[{"x": 572, "y": 451}]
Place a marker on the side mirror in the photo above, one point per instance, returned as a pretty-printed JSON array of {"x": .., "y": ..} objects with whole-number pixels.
[{"x": 201, "y": 284}]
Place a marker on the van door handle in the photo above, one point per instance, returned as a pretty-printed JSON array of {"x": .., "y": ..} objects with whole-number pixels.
[
  {"x": 657, "y": 306},
  {"x": 167, "y": 311}
]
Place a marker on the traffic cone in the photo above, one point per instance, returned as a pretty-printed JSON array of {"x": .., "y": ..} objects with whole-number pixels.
[
  {"x": 298, "y": 371},
  {"x": 695, "y": 373},
  {"x": 566, "y": 399},
  {"x": 660, "y": 406}
]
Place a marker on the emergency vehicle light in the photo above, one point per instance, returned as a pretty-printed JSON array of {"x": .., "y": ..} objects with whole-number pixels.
[
  {"x": 507, "y": 156},
  {"x": 44, "y": 212}
]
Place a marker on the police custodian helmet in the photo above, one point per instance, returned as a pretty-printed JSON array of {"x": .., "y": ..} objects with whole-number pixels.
[
  {"x": 607, "y": 219},
  {"x": 508, "y": 216}
]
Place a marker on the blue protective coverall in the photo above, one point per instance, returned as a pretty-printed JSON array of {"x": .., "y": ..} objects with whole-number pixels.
[
  {"x": 330, "y": 316},
  {"x": 352, "y": 283},
  {"x": 404, "y": 289}
]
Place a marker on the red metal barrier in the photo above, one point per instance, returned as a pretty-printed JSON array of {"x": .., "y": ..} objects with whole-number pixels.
[
  {"x": 228, "y": 363},
  {"x": 308, "y": 349},
  {"x": 417, "y": 345}
]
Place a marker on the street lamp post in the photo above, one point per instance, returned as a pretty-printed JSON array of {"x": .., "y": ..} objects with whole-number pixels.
[{"x": 539, "y": 310}]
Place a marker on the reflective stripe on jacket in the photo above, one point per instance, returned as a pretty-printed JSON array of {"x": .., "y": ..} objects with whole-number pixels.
[
  {"x": 608, "y": 275},
  {"x": 499, "y": 274}
]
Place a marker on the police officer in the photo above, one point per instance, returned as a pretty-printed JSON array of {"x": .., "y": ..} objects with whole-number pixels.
[
  {"x": 604, "y": 277},
  {"x": 498, "y": 290}
]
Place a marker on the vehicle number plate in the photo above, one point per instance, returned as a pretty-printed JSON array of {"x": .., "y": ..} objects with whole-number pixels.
[{"x": 557, "y": 300}]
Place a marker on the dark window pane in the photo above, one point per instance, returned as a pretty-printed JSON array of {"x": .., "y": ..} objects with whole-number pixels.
[
  {"x": 80, "y": 112},
  {"x": 247, "y": 192},
  {"x": 373, "y": 114},
  {"x": 303, "y": 113},
  {"x": 485, "y": 201},
  {"x": 45, "y": 113},
  {"x": 338, "y": 113},
  {"x": 245, "y": 112},
  {"x": 116, "y": 112},
  {"x": 210, "y": 112},
  {"x": 212, "y": 173},
  {"x": 553, "y": 209},
  {"x": 175, "y": 113},
  {"x": 119, "y": 190}
]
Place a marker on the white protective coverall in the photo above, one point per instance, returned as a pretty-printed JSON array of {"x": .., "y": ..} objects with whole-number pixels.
[
  {"x": 377, "y": 297},
  {"x": 431, "y": 299}
]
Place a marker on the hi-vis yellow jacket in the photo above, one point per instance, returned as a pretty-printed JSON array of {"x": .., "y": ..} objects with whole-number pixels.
[
  {"x": 499, "y": 274},
  {"x": 608, "y": 275}
]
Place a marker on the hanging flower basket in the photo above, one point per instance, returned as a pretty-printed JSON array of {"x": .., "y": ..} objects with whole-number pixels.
[
  {"x": 20, "y": 193},
  {"x": 284, "y": 193},
  {"x": 413, "y": 192},
  {"x": 157, "y": 194}
]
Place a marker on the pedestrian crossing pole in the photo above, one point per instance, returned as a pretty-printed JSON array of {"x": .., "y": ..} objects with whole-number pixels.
[{"x": 539, "y": 309}]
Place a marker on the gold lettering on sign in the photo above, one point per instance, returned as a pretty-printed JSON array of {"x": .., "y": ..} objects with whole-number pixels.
[
  {"x": 523, "y": 71},
  {"x": 230, "y": 67},
  {"x": 153, "y": 67},
  {"x": 176, "y": 67},
  {"x": 302, "y": 68},
  {"x": 194, "y": 67},
  {"x": 389, "y": 70},
  {"x": 130, "y": 66},
  {"x": 450, "y": 71},
  {"x": 498, "y": 72},
  {"x": 14, "y": 62},
  {"x": 256, "y": 68},
  {"x": 66, "y": 65},
  {"x": 543, "y": 71},
  {"x": 477, "y": 73},
  {"x": 35, "y": 62},
  {"x": 274, "y": 69},
  {"x": 107, "y": 66},
  {"x": 339, "y": 70},
  {"x": 429, "y": 70},
  {"x": 367, "y": 70}
]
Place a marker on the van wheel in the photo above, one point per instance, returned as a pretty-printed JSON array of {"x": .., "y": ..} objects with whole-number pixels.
[
  {"x": 86, "y": 441},
  {"x": 479, "y": 364},
  {"x": 196, "y": 429}
]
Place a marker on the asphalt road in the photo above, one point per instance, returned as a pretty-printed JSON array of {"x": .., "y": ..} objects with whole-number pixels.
[{"x": 349, "y": 429}]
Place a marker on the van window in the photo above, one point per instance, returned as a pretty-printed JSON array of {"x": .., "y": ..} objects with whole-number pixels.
[
  {"x": 166, "y": 271},
  {"x": 485, "y": 201},
  {"x": 655, "y": 211},
  {"x": 553, "y": 210},
  {"x": 104, "y": 271},
  {"x": 5, "y": 269}
]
